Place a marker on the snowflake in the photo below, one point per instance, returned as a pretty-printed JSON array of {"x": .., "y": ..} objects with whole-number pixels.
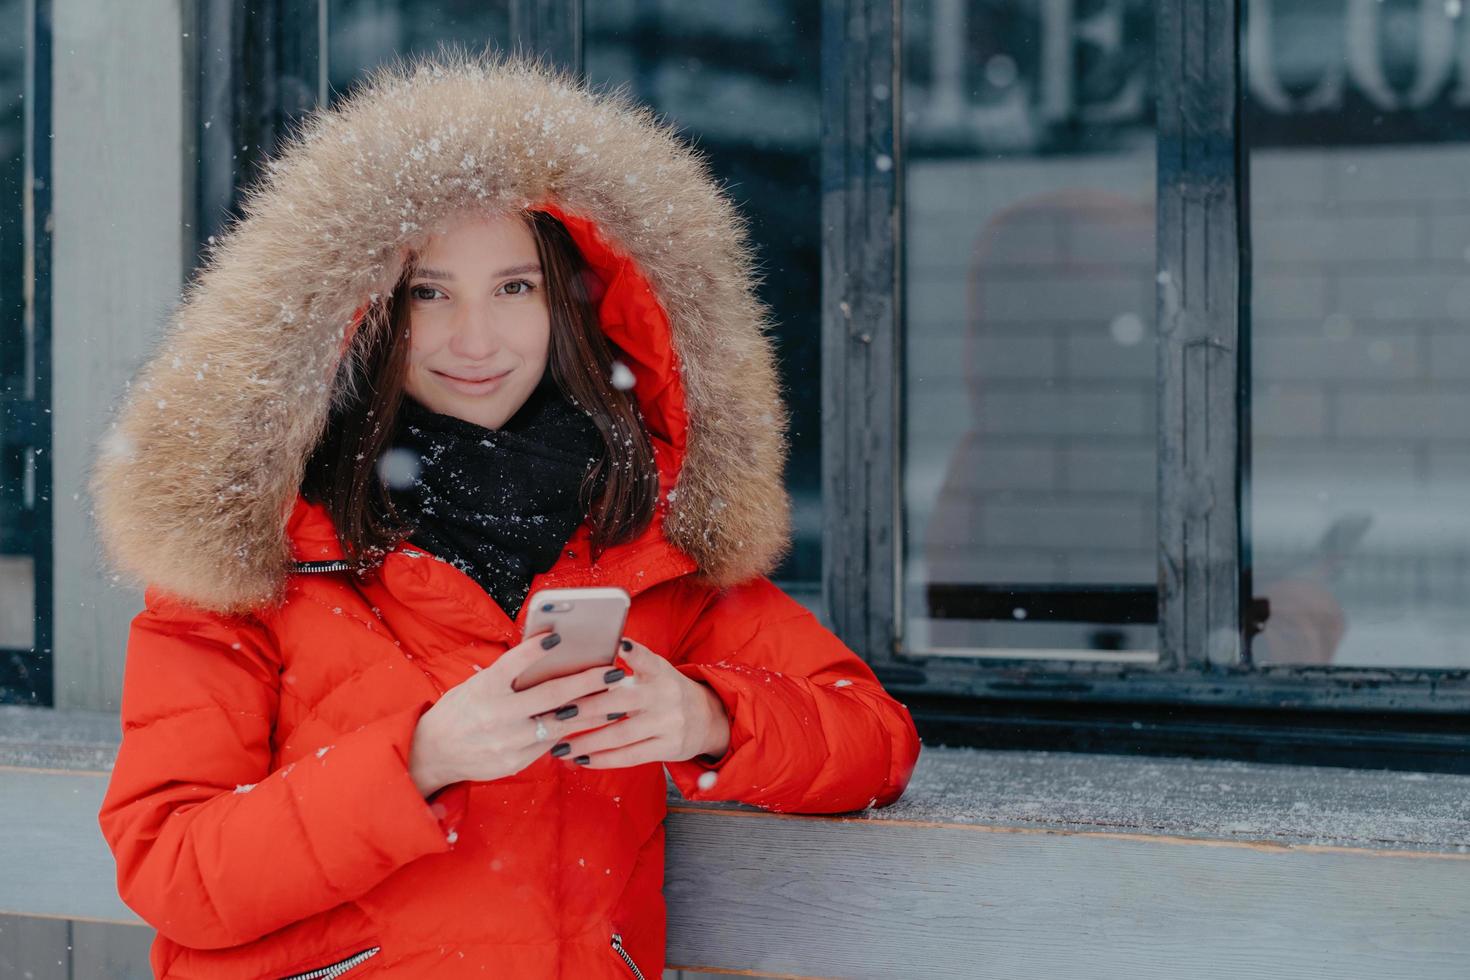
[{"x": 622, "y": 376}]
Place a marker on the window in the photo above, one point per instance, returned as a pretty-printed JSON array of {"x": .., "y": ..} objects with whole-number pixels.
[
  {"x": 362, "y": 34},
  {"x": 1360, "y": 349},
  {"x": 1168, "y": 359},
  {"x": 1029, "y": 371},
  {"x": 741, "y": 82}
]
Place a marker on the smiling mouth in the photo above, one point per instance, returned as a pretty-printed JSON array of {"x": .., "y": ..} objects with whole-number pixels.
[
  {"x": 471, "y": 386},
  {"x": 472, "y": 381}
]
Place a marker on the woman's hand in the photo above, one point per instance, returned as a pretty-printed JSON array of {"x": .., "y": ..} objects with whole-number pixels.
[
  {"x": 656, "y": 713},
  {"x": 481, "y": 729}
]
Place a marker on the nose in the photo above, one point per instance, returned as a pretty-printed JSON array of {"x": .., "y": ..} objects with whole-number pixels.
[{"x": 476, "y": 334}]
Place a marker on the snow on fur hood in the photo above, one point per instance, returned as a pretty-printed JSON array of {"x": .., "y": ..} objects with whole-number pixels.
[{"x": 193, "y": 486}]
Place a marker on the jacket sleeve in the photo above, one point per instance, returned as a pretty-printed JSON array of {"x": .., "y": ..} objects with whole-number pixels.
[
  {"x": 811, "y": 728},
  {"x": 213, "y": 849}
]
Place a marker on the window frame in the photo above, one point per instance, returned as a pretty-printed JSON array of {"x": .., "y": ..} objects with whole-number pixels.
[
  {"x": 28, "y": 676},
  {"x": 259, "y": 70},
  {"x": 1204, "y": 587},
  {"x": 256, "y": 71}
]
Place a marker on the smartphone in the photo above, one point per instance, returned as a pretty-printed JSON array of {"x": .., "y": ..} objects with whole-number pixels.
[{"x": 590, "y": 623}]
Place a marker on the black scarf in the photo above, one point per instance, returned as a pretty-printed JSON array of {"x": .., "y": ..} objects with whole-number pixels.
[{"x": 498, "y": 504}]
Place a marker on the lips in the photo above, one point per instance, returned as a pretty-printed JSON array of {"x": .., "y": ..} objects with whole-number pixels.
[{"x": 471, "y": 386}]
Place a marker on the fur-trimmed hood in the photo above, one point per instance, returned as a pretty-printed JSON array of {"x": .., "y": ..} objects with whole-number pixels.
[{"x": 194, "y": 485}]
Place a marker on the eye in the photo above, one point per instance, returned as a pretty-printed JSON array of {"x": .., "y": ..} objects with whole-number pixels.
[
  {"x": 414, "y": 292},
  {"x": 526, "y": 287}
]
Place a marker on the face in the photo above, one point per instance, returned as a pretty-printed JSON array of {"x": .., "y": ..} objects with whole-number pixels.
[{"x": 479, "y": 325}]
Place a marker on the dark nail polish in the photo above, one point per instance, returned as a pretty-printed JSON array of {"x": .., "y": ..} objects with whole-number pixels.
[
  {"x": 581, "y": 760},
  {"x": 616, "y": 715},
  {"x": 627, "y": 644},
  {"x": 550, "y": 640},
  {"x": 562, "y": 714},
  {"x": 613, "y": 676},
  {"x": 561, "y": 748}
]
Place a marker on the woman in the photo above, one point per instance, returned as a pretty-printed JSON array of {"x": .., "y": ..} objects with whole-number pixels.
[{"x": 480, "y": 333}]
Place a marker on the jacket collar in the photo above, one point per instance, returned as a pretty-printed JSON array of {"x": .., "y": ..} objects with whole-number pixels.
[{"x": 419, "y": 579}]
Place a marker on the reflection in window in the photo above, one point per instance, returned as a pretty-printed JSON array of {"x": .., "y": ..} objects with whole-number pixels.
[
  {"x": 742, "y": 81},
  {"x": 1357, "y": 116},
  {"x": 363, "y": 34},
  {"x": 18, "y": 414},
  {"x": 1029, "y": 383}
]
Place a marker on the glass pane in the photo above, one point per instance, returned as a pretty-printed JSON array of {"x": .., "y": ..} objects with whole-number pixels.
[
  {"x": 363, "y": 34},
  {"x": 1030, "y": 523},
  {"x": 742, "y": 81},
  {"x": 17, "y": 484},
  {"x": 1358, "y": 117}
]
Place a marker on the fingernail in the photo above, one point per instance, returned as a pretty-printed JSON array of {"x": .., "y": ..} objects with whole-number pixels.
[
  {"x": 613, "y": 676},
  {"x": 550, "y": 640},
  {"x": 616, "y": 715},
  {"x": 581, "y": 760},
  {"x": 561, "y": 748},
  {"x": 562, "y": 714},
  {"x": 627, "y": 643}
]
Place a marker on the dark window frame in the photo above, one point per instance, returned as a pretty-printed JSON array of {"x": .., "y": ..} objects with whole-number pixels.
[
  {"x": 1190, "y": 702},
  {"x": 28, "y": 676},
  {"x": 260, "y": 68},
  {"x": 256, "y": 71}
]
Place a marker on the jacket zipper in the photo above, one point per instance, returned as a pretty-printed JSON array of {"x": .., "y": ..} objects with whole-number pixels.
[
  {"x": 617, "y": 945},
  {"x": 335, "y": 969},
  {"x": 337, "y": 565},
  {"x": 308, "y": 567}
]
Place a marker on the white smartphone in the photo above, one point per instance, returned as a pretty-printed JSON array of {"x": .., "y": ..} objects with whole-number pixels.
[{"x": 590, "y": 624}]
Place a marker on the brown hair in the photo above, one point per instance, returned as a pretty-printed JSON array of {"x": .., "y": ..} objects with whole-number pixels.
[{"x": 342, "y": 472}]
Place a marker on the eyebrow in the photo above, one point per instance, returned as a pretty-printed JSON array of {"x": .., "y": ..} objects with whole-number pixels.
[{"x": 514, "y": 270}]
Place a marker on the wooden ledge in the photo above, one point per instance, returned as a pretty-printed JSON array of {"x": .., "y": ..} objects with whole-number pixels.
[
  {"x": 1197, "y": 801},
  {"x": 994, "y": 864}
]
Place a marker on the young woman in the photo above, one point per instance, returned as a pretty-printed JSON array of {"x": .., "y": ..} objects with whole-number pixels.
[{"x": 480, "y": 333}]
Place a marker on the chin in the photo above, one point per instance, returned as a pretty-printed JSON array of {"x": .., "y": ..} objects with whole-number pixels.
[
  {"x": 490, "y": 410},
  {"x": 487, "y": 411},
  {"x": 483, "y": 415}
]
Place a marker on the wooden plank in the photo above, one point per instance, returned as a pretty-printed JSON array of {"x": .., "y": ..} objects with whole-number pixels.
[
  {"x": 992, "y": 864},
  {"x": 34, "y": 948},
  {"x": 103, "y": 951},
  {"x": 1199, "y": 351},
  {"x": 823, "y": 898},
  {"x": 861, "y": 160},
  {"x": 56, "y": 862}
]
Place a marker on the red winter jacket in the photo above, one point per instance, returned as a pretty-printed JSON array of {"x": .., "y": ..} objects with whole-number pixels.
[
  {"x": 265, "y": 823},
  {"x": 260, "y": 809}
]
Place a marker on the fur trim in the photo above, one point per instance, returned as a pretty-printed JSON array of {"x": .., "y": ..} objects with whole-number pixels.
[{"x": 194, "y": 484}]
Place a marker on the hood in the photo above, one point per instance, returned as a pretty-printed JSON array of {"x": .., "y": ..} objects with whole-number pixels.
[{"x": 193, "y": 486}]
